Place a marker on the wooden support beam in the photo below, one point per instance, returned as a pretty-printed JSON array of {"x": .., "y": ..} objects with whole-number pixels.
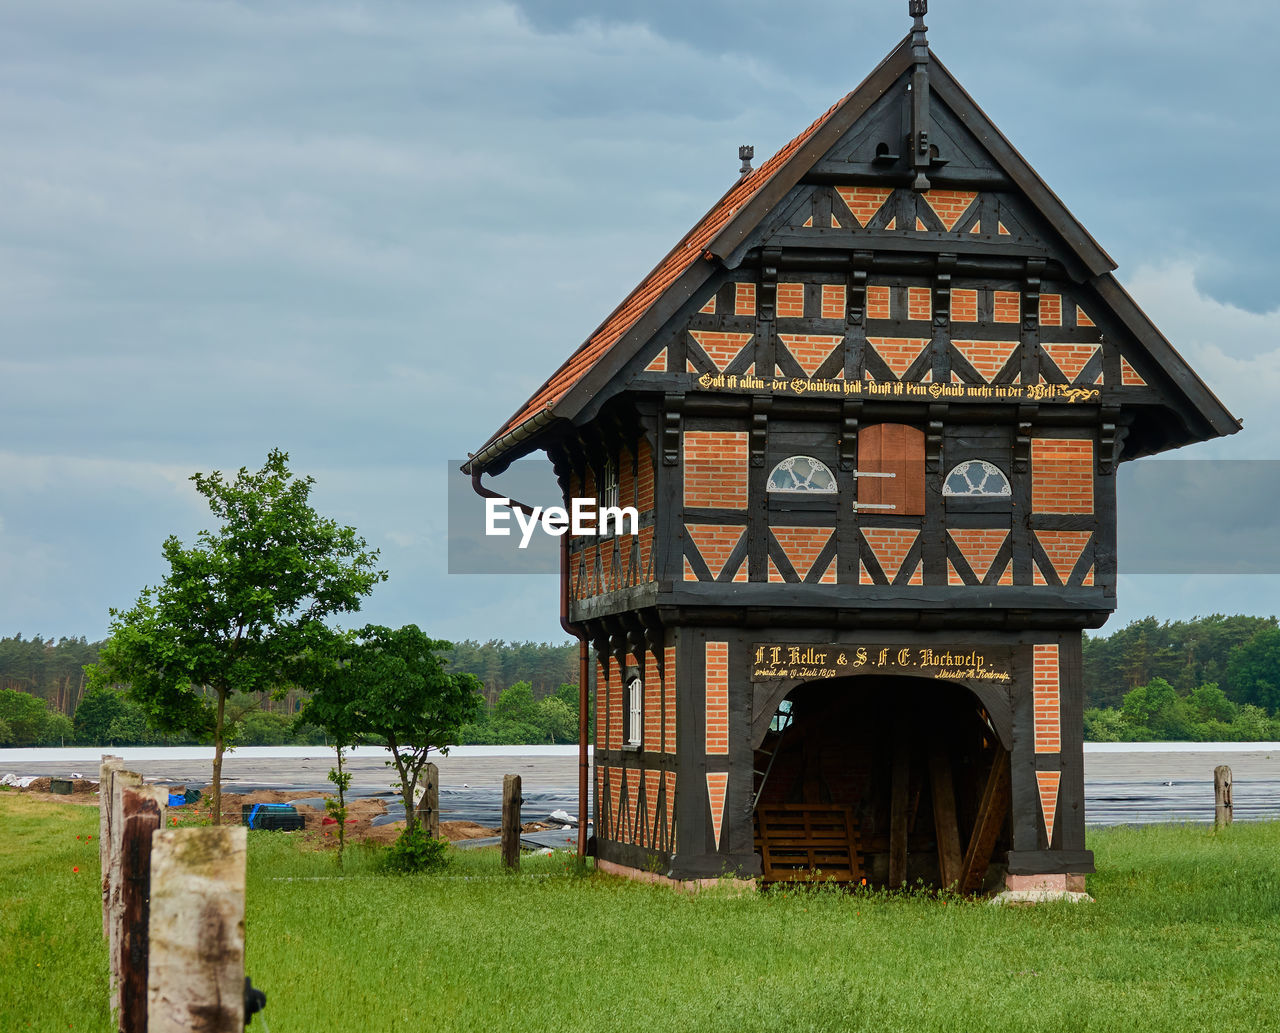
[
  {"x": 511, "y": 801},
  {"x": 196, "y": 978},
  {"x": 992, "y": 813},
  {"x": 946, "y": 826},
  {"x": 143, "y": 816},
  {"x": 898, "y": 807}
]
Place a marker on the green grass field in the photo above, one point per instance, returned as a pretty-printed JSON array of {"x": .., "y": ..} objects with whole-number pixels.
[{"x": 1185, "y": 935}]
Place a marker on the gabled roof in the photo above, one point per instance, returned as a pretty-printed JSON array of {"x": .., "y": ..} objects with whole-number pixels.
[
  {"x": 692, "y": 247},
  {"x": 715, "y": 241},
  {"x": 691, "y": 251}
]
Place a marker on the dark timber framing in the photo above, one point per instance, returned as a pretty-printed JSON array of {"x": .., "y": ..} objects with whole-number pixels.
[{"x": 897, "y": 275}]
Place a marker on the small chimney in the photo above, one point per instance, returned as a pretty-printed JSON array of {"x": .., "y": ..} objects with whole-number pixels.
[{"x": 745, "y": 153}]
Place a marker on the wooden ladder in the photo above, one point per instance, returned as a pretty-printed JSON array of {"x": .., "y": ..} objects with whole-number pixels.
[{"x": 768, "y": 749}]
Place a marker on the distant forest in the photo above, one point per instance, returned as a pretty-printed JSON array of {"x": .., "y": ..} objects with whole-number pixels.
[
  {"x": 501, "y": 664},
  {"x": 1210, "y": 679},
  {"x": 43, "y": 699},
  {"x": 1214, "y": 677}
]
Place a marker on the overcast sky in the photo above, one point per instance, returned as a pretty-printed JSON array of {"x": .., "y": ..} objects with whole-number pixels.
[{"x": 366, "y": 232}]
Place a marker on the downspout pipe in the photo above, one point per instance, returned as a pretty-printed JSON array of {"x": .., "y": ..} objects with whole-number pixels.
[{"x": 577, "y": 632}]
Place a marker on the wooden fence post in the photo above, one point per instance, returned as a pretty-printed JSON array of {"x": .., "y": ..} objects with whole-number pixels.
[
  {"x": 106, "y": 772},
  {"x": 196, "y": 978},
  {"x": 429, "y": 805},
  {"x": 1221, "y": 796},
  {"x": 143, "y": 817},
  {"x": 120, "y": 781},
  {"x": 511, "y": 801}
]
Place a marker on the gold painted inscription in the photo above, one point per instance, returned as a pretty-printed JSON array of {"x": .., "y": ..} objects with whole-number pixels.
[
  {"x": 776, "y": 661},
  {"x": 899, "y": 389}
]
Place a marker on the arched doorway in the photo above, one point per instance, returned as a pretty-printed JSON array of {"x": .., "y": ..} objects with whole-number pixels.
[{"x": 888, "y": 779}]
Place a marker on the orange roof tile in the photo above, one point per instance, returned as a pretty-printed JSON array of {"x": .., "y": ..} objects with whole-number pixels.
[{"x": 681, "y": 257}]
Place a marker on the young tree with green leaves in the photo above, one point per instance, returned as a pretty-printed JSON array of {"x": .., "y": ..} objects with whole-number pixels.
[
  {"x": 393, "y": 684},
  {"x": 240, "y": 607},
  {"x": 334, "y": 706}
]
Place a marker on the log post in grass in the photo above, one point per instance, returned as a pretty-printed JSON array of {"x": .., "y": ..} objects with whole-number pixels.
[
  {"x": 196, "y": 978},
  {"x": 106, "y": 772},
  {"x": 1221, "y": 796},
  {"x": 120, "y": 781},
  {"x": 143, "y": 817},
  {"x": 429, "y": 805},
  {"x": 511, "y": 802}
]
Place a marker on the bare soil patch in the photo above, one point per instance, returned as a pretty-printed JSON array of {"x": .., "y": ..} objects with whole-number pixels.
[
  {"x": 455, "y": 831},
  {"x": 361, "y": 812},
  {"x": 84, "y": 791}
]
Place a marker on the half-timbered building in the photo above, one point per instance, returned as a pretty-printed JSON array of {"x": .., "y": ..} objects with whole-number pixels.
[{"x": 870, "y": 410}]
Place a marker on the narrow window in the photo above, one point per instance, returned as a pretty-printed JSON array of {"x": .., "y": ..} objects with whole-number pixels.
[
  {"x": 635, "y": 707},
  {"x": 609, "y": 483},
  {"x": 890, "y": 470},
  {"x": 802, "y": 474},
  {"x": 976, "y": 478}
]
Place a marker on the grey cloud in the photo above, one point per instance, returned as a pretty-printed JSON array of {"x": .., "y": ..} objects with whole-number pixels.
[{"x": 367, "y": 232}]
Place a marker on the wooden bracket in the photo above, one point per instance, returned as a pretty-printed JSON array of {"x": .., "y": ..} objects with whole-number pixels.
[
  {"x": 760, "y": 407},
  {"x": 851, "y": 412},
  {"x": 612, "y": 434},
  {"x": 601, "y": 646},
  {"x": 563, "y": 469},
  {"x": 933, "y": 438},
  {"x": 594, "y": 445},
  {"x": 576, "y": 457},
  {"x": 1031, "y": 294},
  {"x": 654, "y": 634},
  {"x": 1111, "y": 440},
  {"x": 767, "y": 302},
  {"x": 637, "y": 634},
  {"x": 1022, "y": 443},
  {"x": 648, "y": 429},
  {"x": 860, "y": 265},
  {"x": 616, "y": 638},
  {"x": 672, "y": 417},
  {"x": 942, "y": 290}
]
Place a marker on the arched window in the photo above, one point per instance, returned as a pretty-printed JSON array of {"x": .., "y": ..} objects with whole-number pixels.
[
  {"x": 976, "y": 478},
  {"x": 802, "y": 474}
]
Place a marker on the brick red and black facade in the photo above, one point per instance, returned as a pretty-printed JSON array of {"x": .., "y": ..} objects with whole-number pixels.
[{"x": 897, "y": 334}]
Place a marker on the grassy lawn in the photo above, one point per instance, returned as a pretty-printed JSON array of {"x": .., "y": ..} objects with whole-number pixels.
[{"x": 1185, "y": 935}]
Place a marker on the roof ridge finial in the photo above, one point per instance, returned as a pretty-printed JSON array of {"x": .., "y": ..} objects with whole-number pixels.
[
  {"x": 918, "y": 9},
  {"x": 921, "y": 152}
]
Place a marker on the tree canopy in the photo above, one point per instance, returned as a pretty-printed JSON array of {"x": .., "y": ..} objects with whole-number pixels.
[
  {"x": 392, "y": 684},
  {"x": 1183, "y": 653},
  {"x": 239, "y": 607}
]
